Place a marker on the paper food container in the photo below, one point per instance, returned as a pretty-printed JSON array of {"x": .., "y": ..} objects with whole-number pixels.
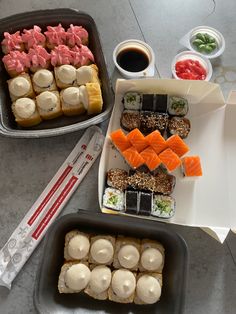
[{"x": 209, "y": 201}]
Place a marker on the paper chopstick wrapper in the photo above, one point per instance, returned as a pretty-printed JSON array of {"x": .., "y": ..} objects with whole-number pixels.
[{"x": 50, "y": 203}]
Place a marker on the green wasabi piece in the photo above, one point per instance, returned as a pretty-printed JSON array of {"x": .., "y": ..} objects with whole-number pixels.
[{"x": 204, "y": 43}]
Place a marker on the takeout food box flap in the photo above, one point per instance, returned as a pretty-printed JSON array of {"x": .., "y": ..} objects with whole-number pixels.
[{"x": 209, "y": 201}]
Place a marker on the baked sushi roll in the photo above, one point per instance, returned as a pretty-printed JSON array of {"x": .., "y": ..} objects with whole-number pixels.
[
  {"x": 131, "y": 202},
  {"x": 127, "y": 253},
  {"x": 20, "y": 86},
  {"x": 16, "y": 62},
  {"x": 33, "y": 37},
  {"x": 102, "y": 250},
  {"x": 65, "y": 76},
  {"x": 130, "y": 120},
  {"x": 191, "y": 167},
  {"x": 77, "y": 245},
  {"x": 180, "y": 126},
  {"x": 152, "y": 256},
  {"x": 25, "y": 112},
  {"x": 161, "y": 103},
  {"x": 91, "y": 96},
  {"x": 132, "y": 101},
  {"x": 148, "y": 288},
  {"x": 145, "y": 203},
  {"x": 48, "y": 104},
  {"x": 117, "y": 178},
  {"x": 151, "y": 121},
  {"x": 74, "y": 277},
  {"x": 113, "y": 199},
  {"x": 142, "y": 181},
  {"x": 61, "y": 55},
  {"x": 163, "y": 206},
  {"x": 76, "y": 35},
  {"x": 39, "y": 58},
  {"x": 81, "y": 55},
  {"x": 70, "y": 101},
  {"x": 43, "y": 80},
  {"x": 148, "y": 102},
  {"x": 177, "y": 106},
  {"x": 99, "y": 283},
  {"x": 122, "y": 288},
  {"x": 164, "y": 182},
  {"x": 12, "y": 42},
  {"x": 55, "y": 36},
  {"x": 87, "y": 74}
]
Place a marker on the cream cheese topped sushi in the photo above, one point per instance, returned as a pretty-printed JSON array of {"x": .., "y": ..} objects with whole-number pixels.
[
  {"x": 148, "y": 289},
  {"x": 102, "y": 251},
  {"x": 123, "y": 283}
]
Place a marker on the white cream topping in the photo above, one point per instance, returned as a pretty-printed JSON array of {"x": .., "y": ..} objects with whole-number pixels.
[
  {"x": 24, "y": 107},
  {"x": 43, "y": 78},
  {"x": 151, "y": 259},
  {"x": 123, "y": 283},
  {"x": 100, "y": 279},
  {"x": 148, "y": 289},
  {"x": 84, "y": 96},
  {"x": 84, "y": 75},
  {"x": 66, "y": 74},
  {"x": 77, "y": 277},
  {"x": 47, "y": 101},
  {"x": 78, "y": 246},
  {"x": 71, "y": 95},
  {"x": 19, "y": 86},
  {"x": 128, "y": 256},
  {"x": 102, "y": 251}
]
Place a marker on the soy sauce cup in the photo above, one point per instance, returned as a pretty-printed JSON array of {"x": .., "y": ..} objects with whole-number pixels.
[{"x": 134, "y": 59}]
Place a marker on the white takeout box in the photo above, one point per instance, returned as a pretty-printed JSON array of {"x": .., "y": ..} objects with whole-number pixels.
[{"x": 208, "y": 202}]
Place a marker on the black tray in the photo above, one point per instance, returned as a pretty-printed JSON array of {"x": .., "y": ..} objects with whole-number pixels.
[
  {"x": 47, "y": 298},
  {"x": 64, "y": 124}
]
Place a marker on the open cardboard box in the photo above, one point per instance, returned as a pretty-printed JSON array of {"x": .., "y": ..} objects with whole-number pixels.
[{"x": 209, "y": 201}]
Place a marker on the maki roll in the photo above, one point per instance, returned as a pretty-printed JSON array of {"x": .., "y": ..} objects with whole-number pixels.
[
  {"x": 117, "y": 178},
  {"x": 177, "y": 106},
  {"x": 164, "y": 183},
  {"x": 148, "y": 102},
  {"x": 131, "y": 202},
  {"x": 130, "y": 119},
  {"x": 163, "y": 206},
  {"x": 180, "y": 126},
  {"x": 132, "y": 101},
  {"x": 145, "y": 203},
  {"x": 160, "y": 104},
  {"x": 151, "y": 121},
  {"x": 114, "y": 199}
]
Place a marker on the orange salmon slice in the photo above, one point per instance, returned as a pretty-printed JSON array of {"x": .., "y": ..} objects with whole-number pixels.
[
  {"x": 137, "y": 139},
  {"x": 151, "y": 158},
  {"x": 119, "y": 139},
  {"x": 170, "y": 159},
  {"x": 192, "y": 166},
  {"x": 157, "y": 141},
  {"x": 133, "y": 158},
  {"x": 177, "y": 145}
]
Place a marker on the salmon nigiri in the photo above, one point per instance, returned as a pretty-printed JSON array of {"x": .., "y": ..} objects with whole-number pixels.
[
  {"x": 133, "y": 158},
  {"x": 176, "y": 143},
  {"x": 151, "y": 158},
  {"x": 157, "y": 141},
  {"x": 120, "y": 140},
  {"x": 137, "y": 139},
  {"x": 170, "y": 159},
  {"x": 192, "y": 166}
]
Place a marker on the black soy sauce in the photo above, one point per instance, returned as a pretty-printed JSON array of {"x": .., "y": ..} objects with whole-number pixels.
[{"x": 132, "y": 59}]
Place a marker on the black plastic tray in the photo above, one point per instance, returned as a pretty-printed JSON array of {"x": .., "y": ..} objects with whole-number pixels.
[
  {"x": 47, "y": 298},
  {"x": 64, "y": 124}
]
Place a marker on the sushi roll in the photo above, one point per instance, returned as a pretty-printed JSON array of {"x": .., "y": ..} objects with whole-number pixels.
[
  {"x": 156, "y": 141},
  {"x": 132, "y": 101},
  {"x": 151, "y": 158},
  {"x": 163, "y": 206},
  {"x": 131, "y": 202},
  {"x": 177, "y": 106},
  {"x": 130, "y": 119},
  {"x": 148, "y": 288},
  {"x": 177, "y": 145},
  {"x": 119, "y": 139},
  {"x": 164, "y": 182},
  {"x": 191, "y": 166},
  {"x": 117, "y": 178},
  {"x": 137, "y": 139},
  {"x": 152, "y": 256},
  {"x": 142, "y": 181},
  {"x": 170, "y": 159},
  {"x": 148, "y": 102},
  {"x": 160, "y": 104},
  {"x": 180, "y": 126},
  {"x": 145, "y": 203},
  {"x": 151, "y": 121},
  {"x": 113, "y": 199},
  {"x": 133, "y": 158}
]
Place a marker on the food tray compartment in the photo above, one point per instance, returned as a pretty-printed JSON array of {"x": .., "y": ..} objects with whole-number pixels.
[
  {"x": 62, "y": 124},
  {"x": 47, "y": 298}
]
